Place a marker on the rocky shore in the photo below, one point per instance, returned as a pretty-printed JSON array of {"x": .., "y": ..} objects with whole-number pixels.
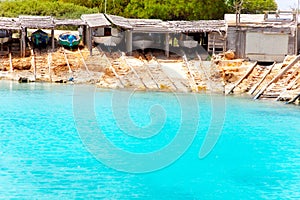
[{"x": 153, "y": 71}]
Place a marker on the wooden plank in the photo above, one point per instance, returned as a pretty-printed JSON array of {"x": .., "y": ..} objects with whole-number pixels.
[
  {"x": 11, "y": 69},
  {"x": 134, "y": 71},
  {"x": 49, "y": 65},
  {"x": 110, "y": 65},
  {"x": 83, "y": 61},
  {"x": 244, "y": 77},
  {"x": 152, "y": 77},
  {"x": 290, "y": 86},
  {"x": 294, "y": 99},
  {"x": 52, "y": 39},
  {"x": 189, "y": 70},
  {"x": 279, "y": 75},
  {"x": 262, "y": 80},
  {"x": 33, "y": 65},
  {"x": 67, "y": 61}
]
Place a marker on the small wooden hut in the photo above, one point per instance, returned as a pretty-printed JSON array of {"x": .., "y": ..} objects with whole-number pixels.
[
  {"x": 262, "y": 37},
  {"x": 10, "y": 24},
  {"x": 93, "y": 22},
  {"x": 35, "y": 22},
  {"x": 210, "y": 34}
]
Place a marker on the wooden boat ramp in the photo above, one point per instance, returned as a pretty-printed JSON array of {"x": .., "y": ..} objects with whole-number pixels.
[{"x": 280, "y": 82}]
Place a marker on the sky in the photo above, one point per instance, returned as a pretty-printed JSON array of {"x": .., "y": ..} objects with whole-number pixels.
[{"x": 286, "y": 4}]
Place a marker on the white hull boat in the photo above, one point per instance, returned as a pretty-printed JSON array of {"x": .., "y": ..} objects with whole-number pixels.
[
  {"x": 188, "y": 43},
  {"x": 108, "y": 40},
  {"x": 142, "y": 42}
]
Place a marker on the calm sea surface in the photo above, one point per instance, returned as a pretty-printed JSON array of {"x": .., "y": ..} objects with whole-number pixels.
[{"x": 257, "y": 155}]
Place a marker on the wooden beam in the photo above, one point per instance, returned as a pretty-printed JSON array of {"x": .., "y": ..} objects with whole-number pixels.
[
  {"x": 244, "y": 77},
  {"x": 52, "y": 42},
  {"x": 263, "y": 78},
  {"x": 128, "y": 40},
  {"x": 134, "y": 71},
  {"x": 89, "y": 39},
  {"x": 23, "y": 42},
  {"x": 294, "y": 99},
  {"x": 167, "y": 46},
  {"x": 283, "y": 71},
  {"x": 11, "y": 69}
]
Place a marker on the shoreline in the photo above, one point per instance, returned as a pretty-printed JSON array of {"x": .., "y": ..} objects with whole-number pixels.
[{"x": 152, "y": 71}]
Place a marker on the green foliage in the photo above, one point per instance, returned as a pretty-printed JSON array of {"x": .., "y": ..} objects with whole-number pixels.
[
  {"x": 176, "y": 9},
  {"x": 159, "y": 9},
  {"x": 252, "y": 6},
  {"x": 42, "y": 8},
  {"x": 258, "y": 6}
]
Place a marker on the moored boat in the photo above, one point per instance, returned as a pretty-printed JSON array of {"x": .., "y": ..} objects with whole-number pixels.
[
  {"x": 109, "y": 37},
  {"x": 69, "y": 39},
  {"x": 142, "y": 42},
  {"x": 188, "y": 43},
  {"x": 5, "y": 36},
  {"x": 39, "y": 38}
]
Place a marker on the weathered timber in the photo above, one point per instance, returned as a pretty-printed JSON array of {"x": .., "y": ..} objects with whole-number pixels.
[
  {"x": 294, "y": 99},
  {"x": 134, "y": 71},
  {"x": 279, "y": 75},
  {"x": 262, "y": 80},
  {"x": 244, "y": 77}
]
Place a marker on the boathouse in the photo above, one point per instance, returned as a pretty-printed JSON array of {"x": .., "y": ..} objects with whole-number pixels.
[{"x": 262, "y": 37}]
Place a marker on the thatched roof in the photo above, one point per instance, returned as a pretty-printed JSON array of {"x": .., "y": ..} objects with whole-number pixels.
[
  {"x": 119, "y": 21},
  {"x": 197, "y": 26},
  {"x": 73, "y": 22},
  {"x": 10, "y": 23},
  {"x": 95, "y": 20},
  {"x": 37, "y": 22},
  {"x": 148, "y": 25}
]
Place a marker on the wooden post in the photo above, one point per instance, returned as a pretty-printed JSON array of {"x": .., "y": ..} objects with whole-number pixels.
[
  {"x": 11, "y": 69},
  {"x": 241, "y": 80},
  {"x": 89, "y": 39},
  {"x": 49, "y": 65},
  {"x": 128, "y": 40},
  {"x": 214, "y": 43},
  {"x": 33, "y": 64},
  {"x": 23, "y": 42},
  {"x": 167, "y": 47},
  {"x": 52, "y": 42},
  {"x": 278, "y": 76}
]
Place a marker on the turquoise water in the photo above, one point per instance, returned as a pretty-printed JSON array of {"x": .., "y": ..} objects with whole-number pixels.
[{"x": 42, "y": 156}]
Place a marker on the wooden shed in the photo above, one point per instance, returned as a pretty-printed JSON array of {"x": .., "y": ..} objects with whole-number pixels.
[
  {"x": 35, "y": 22},
  {"x": 10, "y": 24},
  {"x": 210, "y": 34},
  {"x": 262, "y": 37},
  {"x": 93, "y": 22}
]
